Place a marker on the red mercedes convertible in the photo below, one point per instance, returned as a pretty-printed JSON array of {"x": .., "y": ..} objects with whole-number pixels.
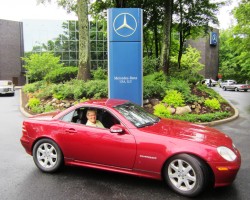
[{"x": 189, "y": 157}]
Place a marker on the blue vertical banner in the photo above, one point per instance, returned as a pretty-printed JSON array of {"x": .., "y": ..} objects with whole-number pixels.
[
  {"x": 125, "y": 54},
  {"x": 213, "y": 38}
]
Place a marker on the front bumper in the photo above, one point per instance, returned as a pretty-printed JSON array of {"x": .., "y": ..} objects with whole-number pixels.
[
  {"x": 226, "y": 172},
  {"x": 6, "y": 91}
]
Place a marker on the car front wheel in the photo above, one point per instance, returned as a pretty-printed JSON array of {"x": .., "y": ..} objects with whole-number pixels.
[
  {"x": 224, "y": 88},
  {"x": 47, "y": 155},
  {"x": 236, "y": 89},
  {"x": 186, "y": 175}
]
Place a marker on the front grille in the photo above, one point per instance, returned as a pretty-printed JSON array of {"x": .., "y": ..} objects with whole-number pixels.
[{"x": 4, "y": 89}]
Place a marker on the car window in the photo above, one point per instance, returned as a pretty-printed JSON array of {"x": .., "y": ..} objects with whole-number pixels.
[
  {"x": 136, "y": 115},
  {"x": 68, "y": 117},
  {"x": 79, "y": 116}
]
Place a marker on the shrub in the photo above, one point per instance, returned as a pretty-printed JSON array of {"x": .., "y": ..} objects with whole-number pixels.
[
  {"x": 208, "y": 117},
  {"x": 149, "y": 65},
  {"x": 96, "y": 89},
  {"x": 154, "y": 85},
  {"x": 183, "y": 87},
  {"x": 211, "y": 93},
  {"x": 48, "y": 108},
  {"x": 160, "y": 110},
  {"x": 33, "y": 87},
  {"x": 190, "y": 65},
  {"x": 212, "y": 103},
  {"x": 173, "y": 98},
  {"x": 39, "y": 65},
  {"x": 46, "y": 92},
  {"x": 99, "y": 74},
  {"x": 61, "y": 74},
  {"x": 33, "y": 104}
]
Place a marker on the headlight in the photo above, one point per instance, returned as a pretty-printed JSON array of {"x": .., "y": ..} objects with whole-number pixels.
[{"x": 226, "y": 153}]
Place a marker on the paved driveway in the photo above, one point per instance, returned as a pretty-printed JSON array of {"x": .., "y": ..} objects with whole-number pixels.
[{"x": 21, "y": 180}]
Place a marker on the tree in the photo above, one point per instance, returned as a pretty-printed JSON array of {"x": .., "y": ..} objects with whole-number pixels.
[
  {"x": 242, "y": 36},
  {"x": 234, "y": 46},
  {"x": 84, "y": 45},
  {"x": 152, "y": 20},
  {"x": 39, "y": 65},
  {"x": 81, "y": 9},
  {"x": 191, "y": 65},
  {"x": 167, "y": 22},
  {"x": 191, "y": 18}
]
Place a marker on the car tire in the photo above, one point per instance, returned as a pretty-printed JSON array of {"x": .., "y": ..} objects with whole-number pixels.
[
  {"x": 186, "y": 175},
  {"x": 47, "y": 155},
  {"x": 224, "y": 88},
  {"x": 245, "y": 90},
  {"x": 236, "y": 89}
]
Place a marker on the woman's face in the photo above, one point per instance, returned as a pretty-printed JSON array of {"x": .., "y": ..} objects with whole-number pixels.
[{"x": 91, "y": 116}]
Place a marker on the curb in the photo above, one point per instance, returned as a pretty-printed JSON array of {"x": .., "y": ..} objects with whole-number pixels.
[
  {"x": 26, "y": 114},
  {"x": 213, "y": 123},
  {"x": 222, "y": 121}
]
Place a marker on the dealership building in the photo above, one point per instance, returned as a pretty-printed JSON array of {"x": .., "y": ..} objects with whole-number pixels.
[{"x": 18, "y": 38}]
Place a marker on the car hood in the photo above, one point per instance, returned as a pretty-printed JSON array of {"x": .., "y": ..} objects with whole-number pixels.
[{"x": 189, "y": 131}]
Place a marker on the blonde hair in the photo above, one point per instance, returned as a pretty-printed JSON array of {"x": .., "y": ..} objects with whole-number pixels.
[{"x": 91, "y": 110}]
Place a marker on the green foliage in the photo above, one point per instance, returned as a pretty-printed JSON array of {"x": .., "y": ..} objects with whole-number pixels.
[
  {"x": 212, "y": 103},
  {"x": 192, "y": 19},
  {"x": 74, "y": 89},
  {"x": 154, "y": 85},
  {"x": 48, "y": 108},
  {"x": 208, "y": 117},
  {"x": 96, "y": 89},
  {"x": 242, "y": 33},
  {"x": 99, "y": 74},
  {"x": 33, "y": 104},
  {"x": 234, "y": 46},
  {"x": 33, "y": 87},
  {"x": 150, "y": 65},
  {"x": 191, "y": 61},
  {"x": 160, "y": 110},
  {"x": 39, "y": 65},
  {"x": 190, "y": 66},
  {"x": 61, "y": 74},
  {"x": 173, "y": 98},
  {"x": 210, "y": 93},
  {"x": 183, "y": 87}
]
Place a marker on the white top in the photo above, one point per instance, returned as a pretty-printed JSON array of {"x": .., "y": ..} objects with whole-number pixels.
[{"x": 97, "y": 124}]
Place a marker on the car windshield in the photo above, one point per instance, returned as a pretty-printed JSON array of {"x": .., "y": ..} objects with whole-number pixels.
[
  {"x": 5, "y": 83},
  {"x": 136, "y": 115}
]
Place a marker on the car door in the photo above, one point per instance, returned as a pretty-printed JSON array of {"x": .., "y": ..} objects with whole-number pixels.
[
  {"x": 98, "y": 145},
  {"x": 231, "y": 84}
]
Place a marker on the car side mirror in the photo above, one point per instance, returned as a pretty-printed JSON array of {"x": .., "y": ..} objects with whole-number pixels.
[{"x": 117, "y": 129}]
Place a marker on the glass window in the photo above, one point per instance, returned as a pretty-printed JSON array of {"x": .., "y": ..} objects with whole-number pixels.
[
  {"x": 68, "y": 117},
  {"x": 136, "y": 115}
]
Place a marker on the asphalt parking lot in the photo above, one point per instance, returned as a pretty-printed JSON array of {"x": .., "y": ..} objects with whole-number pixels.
[{"x": 20, "y": 178}]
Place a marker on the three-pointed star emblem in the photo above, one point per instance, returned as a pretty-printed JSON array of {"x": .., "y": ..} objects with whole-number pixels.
[{"x": 125, "y": 24}]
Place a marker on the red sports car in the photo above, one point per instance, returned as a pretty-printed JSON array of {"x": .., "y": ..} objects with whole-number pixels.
[{"x": 189, "y": 157}]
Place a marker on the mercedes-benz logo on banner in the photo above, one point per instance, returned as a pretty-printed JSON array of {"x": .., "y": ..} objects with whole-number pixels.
[
  {"x": 214, "y": 38},
  {"x": 125, "y": 24}
]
